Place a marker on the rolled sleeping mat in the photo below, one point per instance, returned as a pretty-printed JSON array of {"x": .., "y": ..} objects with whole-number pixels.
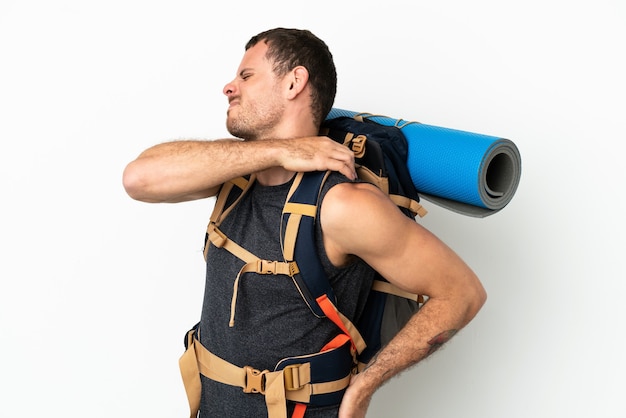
[{"x": 468, "y": 173}]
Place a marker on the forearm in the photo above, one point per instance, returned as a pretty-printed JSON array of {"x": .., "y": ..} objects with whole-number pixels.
[
  {"x": 185, "y": 170},
  {"x": 425, "y": 332},
  {"x": 434, "y": 324}
]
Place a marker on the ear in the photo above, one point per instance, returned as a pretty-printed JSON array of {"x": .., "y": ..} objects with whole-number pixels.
[{"x": 296, "y": 81}]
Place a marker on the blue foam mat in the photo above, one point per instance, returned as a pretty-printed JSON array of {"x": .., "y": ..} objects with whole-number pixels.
[{"x": 469, "y": 173}]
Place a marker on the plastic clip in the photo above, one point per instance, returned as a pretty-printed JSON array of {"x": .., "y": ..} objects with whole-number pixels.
[{"x": 255, "y": 380}]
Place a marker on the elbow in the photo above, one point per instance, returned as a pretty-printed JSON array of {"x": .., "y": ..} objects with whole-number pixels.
[
  {"x": 481, "y": 298},
  {"x": 133, "y": 182},
  {"x": 476, "y": 296}
]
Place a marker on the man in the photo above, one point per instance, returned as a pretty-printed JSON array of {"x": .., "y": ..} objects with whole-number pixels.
[{"x": 284, "y": 87}]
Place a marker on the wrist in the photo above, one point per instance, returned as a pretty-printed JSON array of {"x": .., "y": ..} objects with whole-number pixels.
[{"x": 361, "y": 388}]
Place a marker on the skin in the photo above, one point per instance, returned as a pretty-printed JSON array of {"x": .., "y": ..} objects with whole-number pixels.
[{"x": 274, "y": 116}]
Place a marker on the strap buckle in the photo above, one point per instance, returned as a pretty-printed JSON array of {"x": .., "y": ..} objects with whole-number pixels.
[
  {"x": 266, "y": 267},
  {"x": 291, "y": 375},
  {"x": 217, "y": 237},
  {"x": 358, "y": 145},
  {"x": 255, "y": 380},
  {"x": 293, "y": 268}
]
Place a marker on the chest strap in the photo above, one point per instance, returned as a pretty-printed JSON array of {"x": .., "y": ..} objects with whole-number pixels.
[
  {"x": 253, "y": 264},
  {"x": 306, "y": 380}
]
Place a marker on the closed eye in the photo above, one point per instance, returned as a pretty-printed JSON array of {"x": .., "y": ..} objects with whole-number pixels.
[{"x": 245, "y": 75}]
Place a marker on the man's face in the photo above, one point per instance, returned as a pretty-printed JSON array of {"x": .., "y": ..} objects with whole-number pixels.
[{"x": 255, "y": 105}]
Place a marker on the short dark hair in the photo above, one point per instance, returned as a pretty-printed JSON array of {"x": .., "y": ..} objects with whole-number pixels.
[{"x": 289, "y": 48}]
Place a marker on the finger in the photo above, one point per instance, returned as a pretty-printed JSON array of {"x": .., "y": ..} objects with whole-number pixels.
[{"x": 347, "y": 170}]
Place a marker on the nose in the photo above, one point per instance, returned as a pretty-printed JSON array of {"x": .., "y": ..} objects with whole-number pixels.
[{"x": 229, "y": 88}]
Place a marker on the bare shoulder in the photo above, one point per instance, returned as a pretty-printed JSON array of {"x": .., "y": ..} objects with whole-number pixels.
[
  {"x": 360, "y": 208},
  {"x": 353, "y": 201},
  {"x": 360, "y": 220}
]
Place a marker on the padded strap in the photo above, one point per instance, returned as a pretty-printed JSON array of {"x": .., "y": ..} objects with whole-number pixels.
[
  {"x": 293, "y": 382},
  {"x": 293, "y": 211},
  {"x": 298, "y": 238}
]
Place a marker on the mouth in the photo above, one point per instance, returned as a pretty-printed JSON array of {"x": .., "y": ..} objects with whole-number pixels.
[
  {"x": 232, "y": 103},
  {"x": 230, "y": 108}
]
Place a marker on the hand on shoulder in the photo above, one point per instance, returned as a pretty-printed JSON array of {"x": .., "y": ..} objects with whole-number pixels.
[{"x": 316, "y": 153}]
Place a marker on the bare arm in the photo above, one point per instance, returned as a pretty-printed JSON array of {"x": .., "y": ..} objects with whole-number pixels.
[
  {"x": 187, "y": 170},
  {"x": 412, "y": 258}
]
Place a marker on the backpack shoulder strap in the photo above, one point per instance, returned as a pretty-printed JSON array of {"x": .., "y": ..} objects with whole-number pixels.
[
  {"x": 229, "y": 195},
  {"x": 298, "y": 238},
  {"x": 298, "y": 243}
]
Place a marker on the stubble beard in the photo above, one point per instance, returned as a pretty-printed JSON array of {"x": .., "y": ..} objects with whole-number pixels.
[{"x": 254, "y": 123}]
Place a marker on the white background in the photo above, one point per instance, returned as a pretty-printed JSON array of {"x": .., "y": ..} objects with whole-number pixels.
[{"x": 97, "y": 290}]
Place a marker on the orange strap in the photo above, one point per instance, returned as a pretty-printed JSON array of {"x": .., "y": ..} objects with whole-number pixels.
[
  {"x": 336, "y": 342},
  {"x": 299, "y": 411},
  {"x": 342, "y": 322}
]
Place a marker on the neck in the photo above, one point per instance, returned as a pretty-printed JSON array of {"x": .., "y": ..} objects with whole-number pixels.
[
  {"x": 274, "y": 176},
  {"x": 296, "y": 124}
]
